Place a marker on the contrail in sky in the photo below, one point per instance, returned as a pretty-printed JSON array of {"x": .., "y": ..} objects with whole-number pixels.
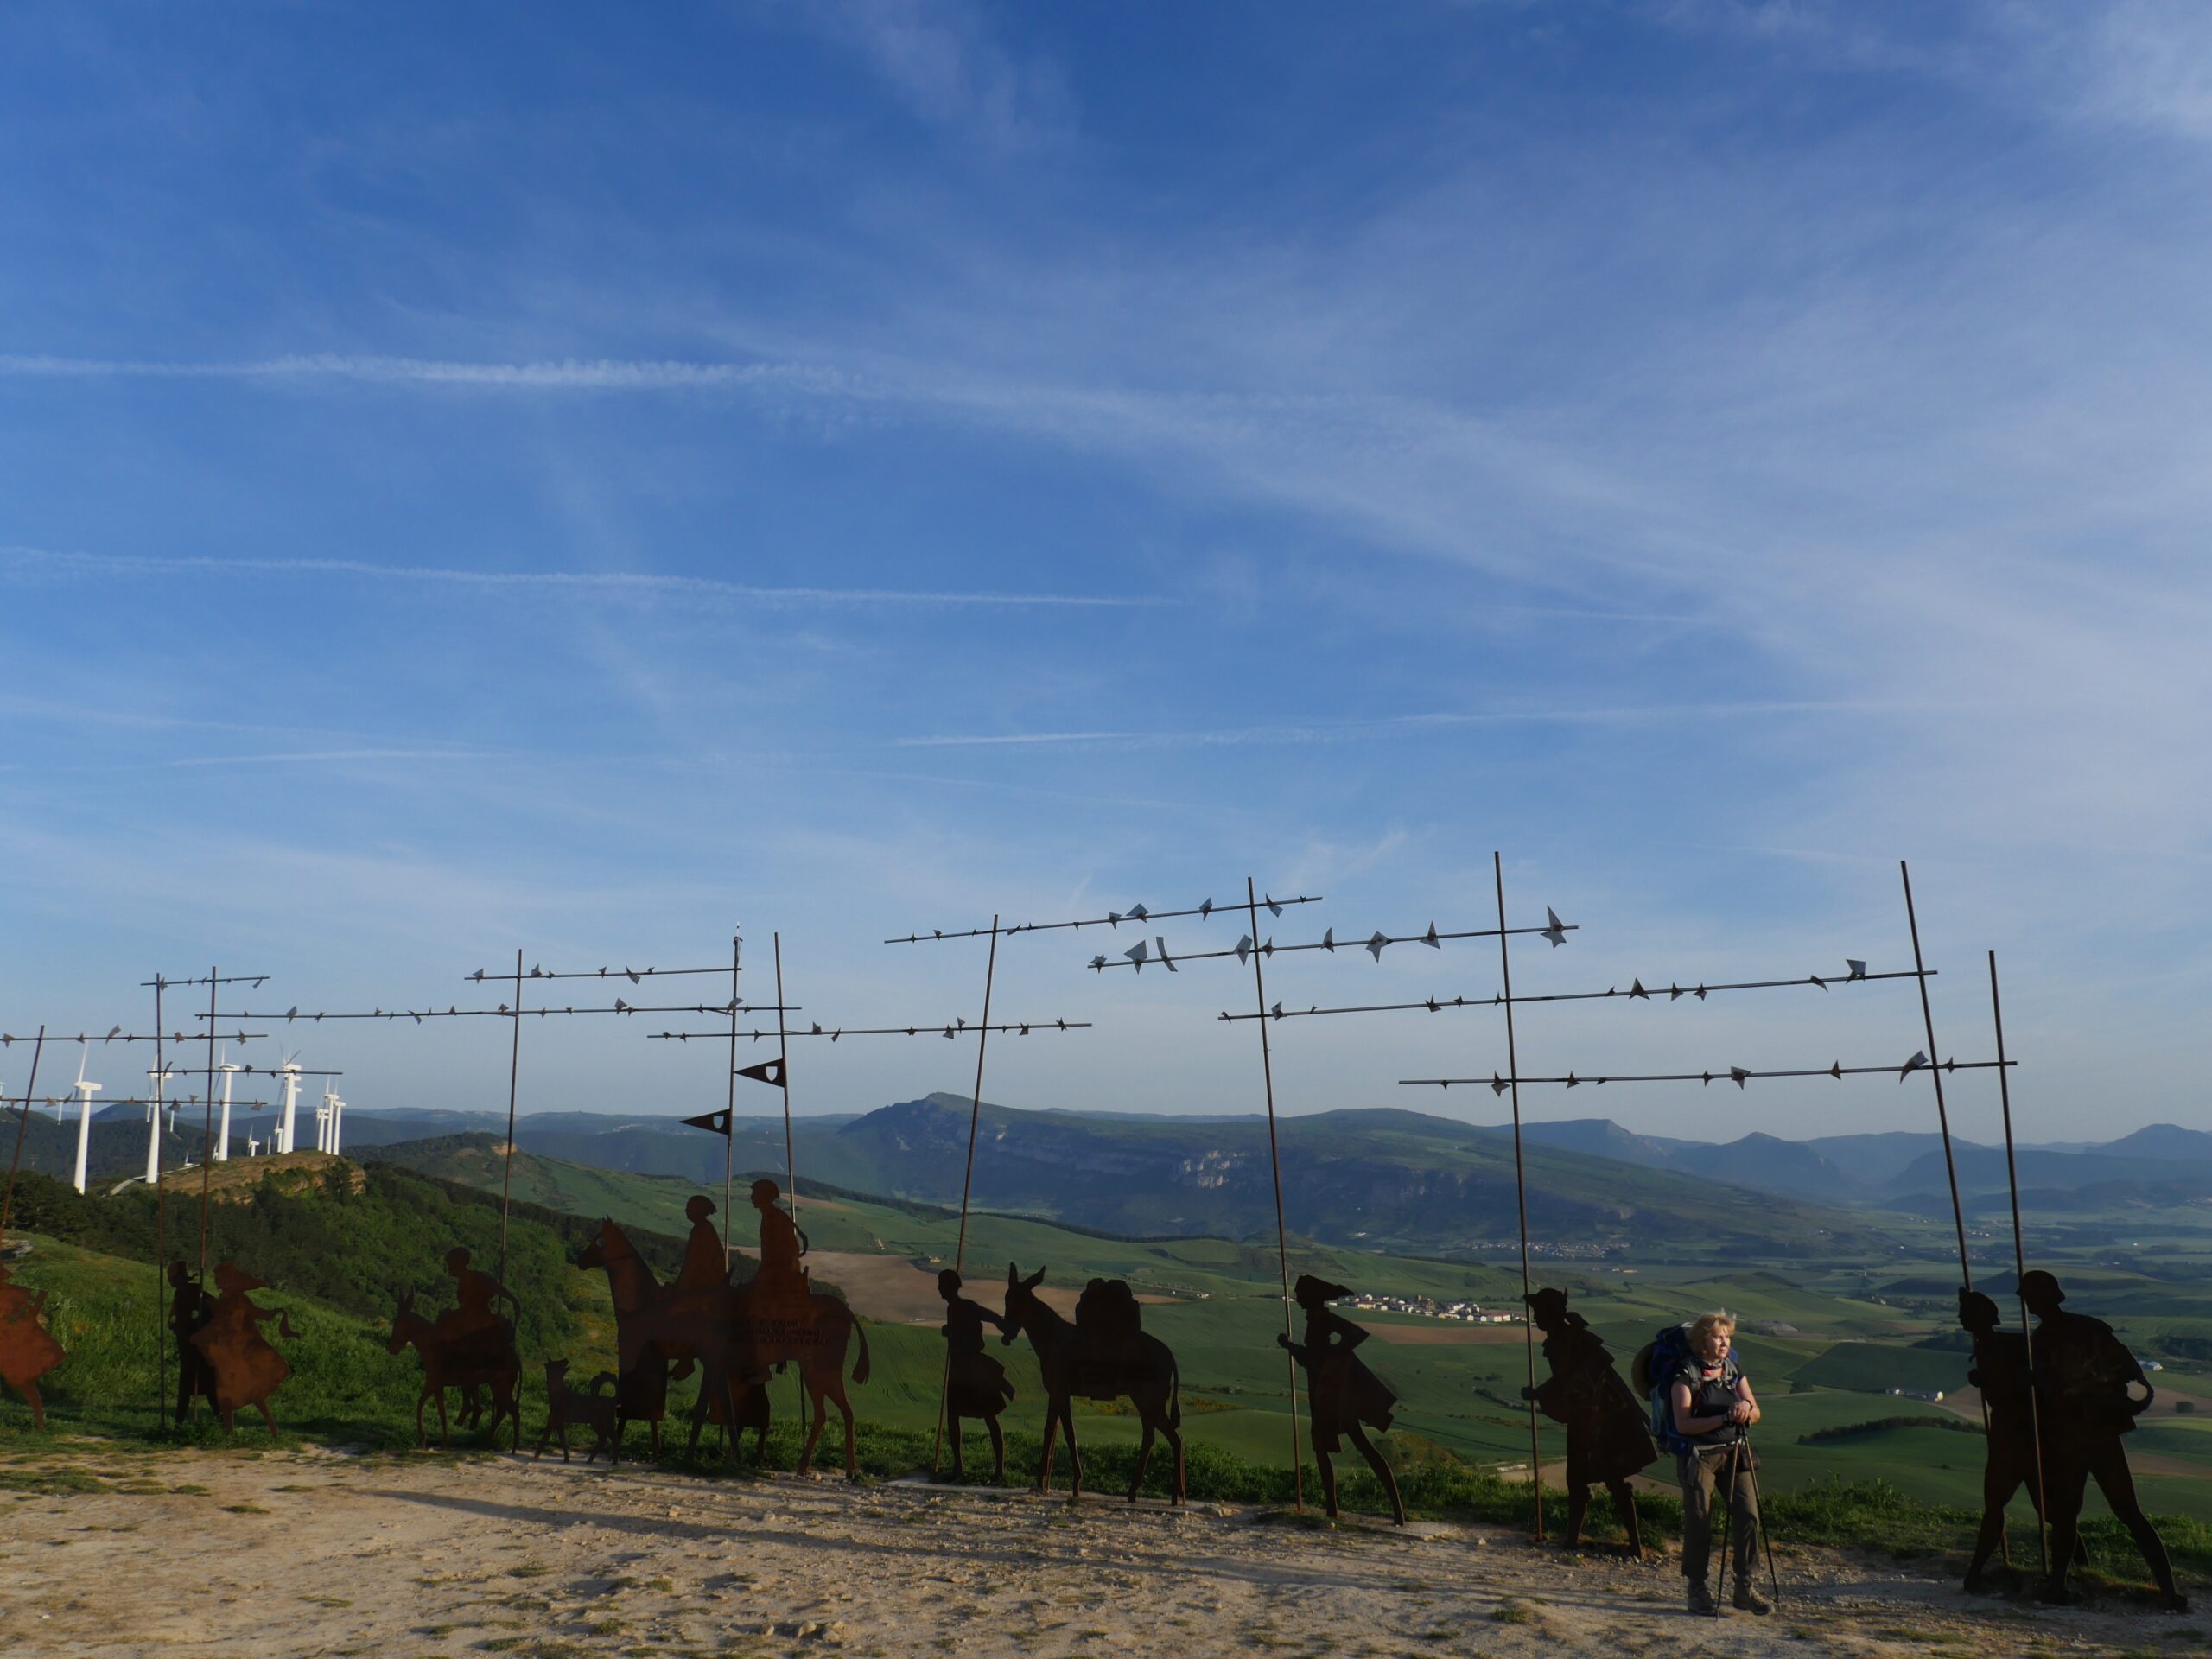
[{"x": 631, "y": 582}]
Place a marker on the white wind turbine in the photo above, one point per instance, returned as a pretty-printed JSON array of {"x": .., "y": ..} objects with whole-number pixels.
[
  {"x": 328, "y": 1118},
  {"x": 230, "y": 1068},
  {"x": 281, "y": 1141},
  {"x": 153, "y": 1129},
  {"x": 84, "y": 1093}
]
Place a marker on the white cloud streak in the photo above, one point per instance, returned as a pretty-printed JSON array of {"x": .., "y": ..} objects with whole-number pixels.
[
  {"x": 635, "y": 583},
  {"x": 1342, "y": 731}
]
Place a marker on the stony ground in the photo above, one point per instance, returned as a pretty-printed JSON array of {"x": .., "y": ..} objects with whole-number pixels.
[{"x": 104, "y": 1550}]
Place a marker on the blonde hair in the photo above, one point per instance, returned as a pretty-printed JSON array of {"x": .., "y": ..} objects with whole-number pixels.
[{"x": 1705, "y": 1324}]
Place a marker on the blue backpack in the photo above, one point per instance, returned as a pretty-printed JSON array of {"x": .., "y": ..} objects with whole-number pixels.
[{"x": 1654, "y": 1370}]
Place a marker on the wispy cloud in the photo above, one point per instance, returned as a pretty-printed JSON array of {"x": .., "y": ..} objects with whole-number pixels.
[
  {"x": 1339, "y": 731},
  {"x": 939, "y": 60},
  {"x": 638, "y": 583},
  {"x": 564, "y": 375}
]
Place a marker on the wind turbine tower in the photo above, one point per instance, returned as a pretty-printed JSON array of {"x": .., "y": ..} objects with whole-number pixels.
[
  {"x": 84, "y": 1093},
  {"x": 328, "y": 1118},
  {"x": 229, "y": 1070},
  {"x": 153, "y": 1129},
  {"x": 281, "y": 1141}
]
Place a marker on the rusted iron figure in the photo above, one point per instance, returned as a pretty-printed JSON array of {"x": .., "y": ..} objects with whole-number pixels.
[
  {"x": 27, "y": 1350},
  {"x": 779, "y": 1301},
  {"x": 566, "y": 1403},
  {"x": 2000, "y": 1372},
  {"x": 187, "y": 1314},
  {"x": 1608, "y": 1428},
  {"x": 706, "y": 1261},
  {"x": 244, "y": 1368},
  {"x": 715, "y": 1327},
  {"x": 2085, "y": 1380},
  {"x": 1103, "y": 1354},
  {"x": 1342, "y": 1398},
  {"x": 461, "y": 1353},
  {"x": 976, "y": 1384}
]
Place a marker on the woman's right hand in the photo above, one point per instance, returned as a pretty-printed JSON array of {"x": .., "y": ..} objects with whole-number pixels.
[{"x": 1739, "y": 1413}]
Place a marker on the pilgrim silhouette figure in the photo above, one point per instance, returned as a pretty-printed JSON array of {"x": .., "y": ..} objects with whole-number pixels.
[
  {"x": 2084, "y": 1380},
  {"x": 1608, "y": 1428},
  {"x": 1342, "y": 1398},
  {"x": 975, "y": 1383}
]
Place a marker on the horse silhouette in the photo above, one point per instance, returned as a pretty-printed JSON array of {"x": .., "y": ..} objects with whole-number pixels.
[
  {"x": 1134, "y": 1365},
  {"x": 479, "y": 1358},
  {"x": 656, "y": 1325}
]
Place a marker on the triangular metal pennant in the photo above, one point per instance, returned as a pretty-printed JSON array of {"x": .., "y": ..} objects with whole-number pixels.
[
  {"x": 1098, "y": 964},
  {"x": 768, "y": 1071},
  {"x": 1243, "y": 948},
  {"x": 1738, "y": 1075},
  {"x": 1674, "y": 993},
  {"x": 713, "y": 1122},
  {"x": 1817, "y": 980},
  {"x": 1374, "y": 945},
  {"x": 1858, "y": 967},
  {"x": 1138, "y": 955},
  {"x": 1636, "y": 988},
  {"x": 1205, "y": 910},
  {"x": 1919, "y": 1058},
  {"x": 1139, "y": 913},
  {"x": 1329, "y": 939},
  {"x": 1556, "y": 931},
  {"x": 1430, "y": 939},
  {"x": 1276, "y": 1011},
  {"x": 1573, "y": 1081},
  {"x": 1497, "y": 1083},
  {"x": 1273, "y": 908},
  {"x": 1699, "y": 993},
  {"x": 1836, "y": 1071}
]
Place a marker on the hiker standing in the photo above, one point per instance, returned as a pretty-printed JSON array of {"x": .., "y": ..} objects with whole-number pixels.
[
  {"x": 1608, "y": 1432},
  {"x": 2084, "y": 1378},
  {"x": 1711, "y": 1405},
  {"x": 975, "y": 1383}
]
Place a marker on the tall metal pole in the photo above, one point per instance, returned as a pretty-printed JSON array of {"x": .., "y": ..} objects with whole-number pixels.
[
  {"x": 1935, "y": 1072},
  {"x": 23, "y": 1123},
  {"x": 791, "y": 1166},
  {"x": 2020, "y": 1272},
  {"x": 207, "y": 1123},
  {"x": 161, "y": 1232},
  {"x": 783, "y": 1079},
  {"x": 967, "y": 1183},
  {"x": 1275, "y": 1158},
  {"x": 729, "y": 1141},
  {"x": 514, "y": 1072},
  {"x": 1521, "y": 1193}
]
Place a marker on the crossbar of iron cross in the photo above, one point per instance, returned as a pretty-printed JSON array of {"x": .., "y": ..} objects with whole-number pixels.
[
  {"x": 1139, "y": 955},
  {"x": 1673, "y": 991}
]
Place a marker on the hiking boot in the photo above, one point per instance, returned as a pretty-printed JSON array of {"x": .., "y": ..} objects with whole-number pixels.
[
  {"x": 1701, "y": 1600},
  {"x": 1749, "y": 1599}
]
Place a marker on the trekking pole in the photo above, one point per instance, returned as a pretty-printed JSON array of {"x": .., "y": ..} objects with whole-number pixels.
[
  {"x": 1727, "y": 1511},
  {"x": 1766, "y": 1538}
]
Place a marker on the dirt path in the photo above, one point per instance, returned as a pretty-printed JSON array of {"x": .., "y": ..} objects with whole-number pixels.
[{"x": 106, "y": 1551}]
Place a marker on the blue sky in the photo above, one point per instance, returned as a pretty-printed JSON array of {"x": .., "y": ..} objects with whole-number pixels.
[{"x": 535, "y": 476}]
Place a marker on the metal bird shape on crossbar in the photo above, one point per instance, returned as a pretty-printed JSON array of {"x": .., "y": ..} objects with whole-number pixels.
[{"x": 959, "y": 1028}]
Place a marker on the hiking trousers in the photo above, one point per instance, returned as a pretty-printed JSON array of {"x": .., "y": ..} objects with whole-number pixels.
[{"x": 1700, "y": 1472}]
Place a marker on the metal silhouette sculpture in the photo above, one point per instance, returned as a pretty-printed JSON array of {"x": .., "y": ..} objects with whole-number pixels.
[
  {"x": 975, "y": 1383},
  {"x": 716, "y": 1328},
  {"x": 2014, "y": 1459},
  {"x": 188, "y": 1306},
  {"x": 1343, "y": 1399},
  {"x": 466, "y": 1358},
  {"x": 566, "y": 1404},
  {"x": 244, "y": 1368},
  {"x": 27, "y": 1350},
  {"x": 1608, "y": 1428},
  {"x": 2084, "y": 1380},
  {"x": 1103, "y": 1354}
]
